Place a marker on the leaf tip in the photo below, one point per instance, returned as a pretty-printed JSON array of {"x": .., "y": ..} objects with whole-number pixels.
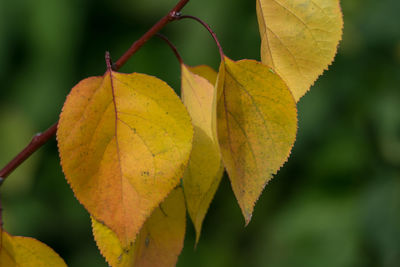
[
  {"x": 247, "y": 212},
  {"x": 247, "y": 219}
]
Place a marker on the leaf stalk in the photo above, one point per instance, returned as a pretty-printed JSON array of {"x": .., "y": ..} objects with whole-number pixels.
[
  {"x": 205, "y": 25},
  {"x": 172, "y": 46}
]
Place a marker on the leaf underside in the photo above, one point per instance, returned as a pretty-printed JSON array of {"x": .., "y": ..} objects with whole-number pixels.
[{"x": 205, "y": 169}]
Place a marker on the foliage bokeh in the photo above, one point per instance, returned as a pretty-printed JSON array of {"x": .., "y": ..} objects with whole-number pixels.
[{"x": 335, "y": 203}]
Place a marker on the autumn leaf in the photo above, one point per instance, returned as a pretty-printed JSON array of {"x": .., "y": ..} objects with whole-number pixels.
[
  {"x": 159, "y": 242},
  {"x": 299, "y": 38},
  {"x": 257, "y": 125},
  {"x": 18, "y": 251},
  {"x": 124, "y": 142},
  {"x": 204, "y": 71},
  {"x": 205, "y": 169}
]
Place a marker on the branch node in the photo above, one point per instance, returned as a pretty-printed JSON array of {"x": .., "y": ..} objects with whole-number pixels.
[
  {"x": 174, "y": 15},
  {"x": 37, "y": 141},
  {"x": 36, "y": 137},
  {"x": 114, "y": 66}
]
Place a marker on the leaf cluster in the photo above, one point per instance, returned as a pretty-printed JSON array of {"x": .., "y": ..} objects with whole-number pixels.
[{"x": 138, "y": 157}]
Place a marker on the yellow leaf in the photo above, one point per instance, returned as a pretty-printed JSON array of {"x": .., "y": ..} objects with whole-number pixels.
[
  {"x": 206, "y": 72},
  {"x": 257, "y": 125},
  {"x": 159, "y": 242},
  {"x": 299, "y": 38},
  {"x": 124, "y": 142},
  {"x": 18, "y": 251},
  {"x": 205, "y": 169}
]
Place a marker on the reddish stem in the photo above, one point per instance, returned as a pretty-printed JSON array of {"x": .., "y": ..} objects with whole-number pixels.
[
  {"x": 172, "y": 46},
  {"x": 205, "y": 25},
  {"x": 171, "y": 16},
  {"x": 42, "y": 138}
]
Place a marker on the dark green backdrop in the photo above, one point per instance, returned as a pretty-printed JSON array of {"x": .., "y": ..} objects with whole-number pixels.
[{"x": 336, "y": 203}]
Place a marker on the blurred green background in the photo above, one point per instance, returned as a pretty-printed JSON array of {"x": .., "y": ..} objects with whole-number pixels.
[{"x": 335, "y": 203}]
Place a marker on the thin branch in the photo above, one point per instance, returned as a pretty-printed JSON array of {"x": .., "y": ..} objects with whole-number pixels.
[
  {"x": 205, "y": 25},
  {"x": 42, "y": 138},
  {"x": 37, "y": 141}
]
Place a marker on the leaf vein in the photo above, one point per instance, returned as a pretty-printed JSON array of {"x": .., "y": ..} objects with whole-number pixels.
[{"x": 257, "y": 109}]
